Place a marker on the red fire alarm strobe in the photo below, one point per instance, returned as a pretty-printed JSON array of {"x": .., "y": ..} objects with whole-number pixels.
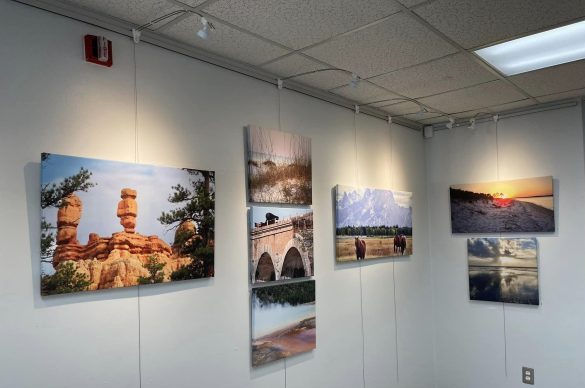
[{"x": 98, "y": 50}]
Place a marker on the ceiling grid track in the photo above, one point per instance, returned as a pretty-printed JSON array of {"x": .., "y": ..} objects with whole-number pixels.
[{"x": 506, "y": 93}]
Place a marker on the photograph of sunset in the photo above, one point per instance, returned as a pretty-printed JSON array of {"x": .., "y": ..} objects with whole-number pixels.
[{"x": 517, "y": 206}]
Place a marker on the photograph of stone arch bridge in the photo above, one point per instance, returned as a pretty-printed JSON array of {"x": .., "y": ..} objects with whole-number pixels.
[{"x": 281, "y": 243}]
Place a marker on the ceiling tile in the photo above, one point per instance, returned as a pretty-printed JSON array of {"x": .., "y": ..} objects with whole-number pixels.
[
  {"x": 477, "y": 113},
  {"x": 300, "y": 23},
  {"x": 192, "y": 3},
  {"x": 512, "y": 106},
  {"x": 475, "y": 97},
  {"x": 325, "y": 80},
  {"x": 225, "y": 41},
  {"x": 442, "y": 75},
  {"x": 403, "y": 108},
  {"x": 420, "y": 116},
  {"x": 395, "y": 43},
  {"x": 434, "y": 120},
  {"x": 474, "y": 23},
  {"x": 138, "y": 12},
  {"x": 411, "y": 3},
  {"x": 562, "y": 96},
  {"x": 291, "y": 65},
  {"x": 556, "y": 79},
  {"x": 364, "y": 93}
]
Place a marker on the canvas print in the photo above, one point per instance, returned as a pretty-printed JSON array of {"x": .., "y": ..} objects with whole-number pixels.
[
  {"x": 517, "y": 206},
  {"x": 107, "y": 224},
  {"x": 283, "y": 321},
  {"x": 503, "y": 270},
  {"x": 279, "y": 167},
  {"x": 372, "y": 223},
  {"x": 281, "y": 243}
]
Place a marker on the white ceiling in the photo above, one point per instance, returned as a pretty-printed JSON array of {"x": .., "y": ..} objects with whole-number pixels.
[{"x": 401, "y": 49}]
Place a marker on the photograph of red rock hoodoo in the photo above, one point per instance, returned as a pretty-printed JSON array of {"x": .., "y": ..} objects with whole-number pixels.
[{"x": 108, "y": 224}]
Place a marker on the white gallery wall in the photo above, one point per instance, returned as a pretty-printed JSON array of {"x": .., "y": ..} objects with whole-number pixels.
[
  {"x": 374, "y": 319},
  {"x": 485, "y": 344}
]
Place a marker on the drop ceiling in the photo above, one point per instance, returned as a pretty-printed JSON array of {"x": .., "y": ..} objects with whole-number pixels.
[{"x": 402, "y": 50}]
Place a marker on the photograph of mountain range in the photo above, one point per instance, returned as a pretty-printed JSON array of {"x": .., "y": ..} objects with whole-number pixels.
[{"x": 372, "y": 223}]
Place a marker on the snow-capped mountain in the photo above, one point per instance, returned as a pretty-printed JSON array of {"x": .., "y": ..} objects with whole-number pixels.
[{"x": 370, "y": 207}]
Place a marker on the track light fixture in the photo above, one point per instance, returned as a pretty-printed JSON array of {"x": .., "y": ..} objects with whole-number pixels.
[
  {"x": 421, "y": 112},
  {"x": 203, "y": 33},
  {"x": 472, "y": 123},
  {"x": 355, "y": 80},
  {"x": 451, "y": 123}
]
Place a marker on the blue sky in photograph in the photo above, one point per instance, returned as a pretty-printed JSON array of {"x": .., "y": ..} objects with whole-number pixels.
[
  {"x": 258, "y": 213},
  {"x": 502, "y": 252}
]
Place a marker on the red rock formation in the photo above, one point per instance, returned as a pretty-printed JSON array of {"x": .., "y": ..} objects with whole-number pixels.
[
  {"x": 119, "y": 260},
  {"x": 185, "y": 237},
  {"x": 68, "y": 218},
  {"x": 128, "y": 210}
]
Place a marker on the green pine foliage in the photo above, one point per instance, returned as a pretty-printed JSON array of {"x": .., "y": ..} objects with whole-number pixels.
[
  {"x": 291, "y": 293},
  {"x": 65, "y": 280},
  {"x": 388, "y": 231},
  {"x": 154, "y": 268},
  {"x": 52, "y": 195},
  {"x": 196, "y": 204}
]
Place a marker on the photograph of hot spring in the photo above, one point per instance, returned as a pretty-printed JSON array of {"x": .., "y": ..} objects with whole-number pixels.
[
  {"x": 516, "y": 206},
  {"x": 283, "y": 321},
  {"x": 503, "y": 270}
]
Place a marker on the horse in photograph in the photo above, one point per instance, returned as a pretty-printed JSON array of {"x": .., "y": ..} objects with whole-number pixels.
[
  {"x": 399, "y": 243},
  {"x": 360, "y": 249}
]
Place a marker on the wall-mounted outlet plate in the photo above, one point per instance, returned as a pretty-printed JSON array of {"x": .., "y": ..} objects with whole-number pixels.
[{"x": 528, "y": 375}]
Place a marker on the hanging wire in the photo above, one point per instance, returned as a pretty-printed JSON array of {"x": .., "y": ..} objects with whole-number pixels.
[
  {"x": 393, "y": 261},
  {"x": 355, "y": 114},
  {"x": 496, "y": 121},
  {"x": 135, "y": 107},
  {"x": 279, "y": 109},
  {"x": 285, "y": 373},
  {"x": 136, "y": 161}
]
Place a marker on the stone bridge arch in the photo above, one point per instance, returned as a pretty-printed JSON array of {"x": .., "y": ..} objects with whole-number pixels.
[
  {"x": 294, "y": 252},
  {"x": 283, "y": 242},
  {"x": 265, "y": 270}
]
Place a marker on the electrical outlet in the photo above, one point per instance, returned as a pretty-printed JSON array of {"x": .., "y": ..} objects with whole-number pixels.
[{"x": 528, "y": 375}]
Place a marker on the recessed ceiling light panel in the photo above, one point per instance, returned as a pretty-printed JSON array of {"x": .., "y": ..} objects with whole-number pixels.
[{"x": 538, "y": 51}]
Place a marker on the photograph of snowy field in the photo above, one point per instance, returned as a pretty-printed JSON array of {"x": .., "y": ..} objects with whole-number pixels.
[
  {"x": 503, "y": 270},
  {"x": 283, "y": 321},
  {"x": 279, "y": 167},
  {"x": 516, "y": 206},
  {"x": 372, "y": 223},
  {"x": 107, "y": 224},
  {"x": 282, "y": 243}
]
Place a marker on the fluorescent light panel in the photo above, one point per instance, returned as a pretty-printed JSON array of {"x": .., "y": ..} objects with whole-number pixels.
[{"x": 538, "y": 51}]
